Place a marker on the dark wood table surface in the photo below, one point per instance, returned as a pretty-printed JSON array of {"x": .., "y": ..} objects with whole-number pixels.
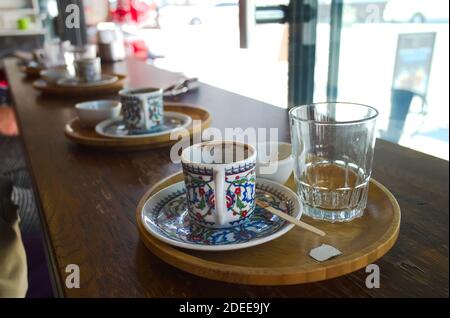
[{"x": 87, "y": 201}]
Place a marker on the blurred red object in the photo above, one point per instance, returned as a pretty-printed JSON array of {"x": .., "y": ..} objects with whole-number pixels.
[
  {"x": 139, "y": 49},
  {"x": 134, "y": 11}
]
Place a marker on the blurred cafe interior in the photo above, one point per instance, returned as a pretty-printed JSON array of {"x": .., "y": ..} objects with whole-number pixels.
[{"x": 70, "y": 196}]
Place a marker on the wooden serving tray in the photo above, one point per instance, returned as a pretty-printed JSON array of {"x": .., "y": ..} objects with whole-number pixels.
[
  {"x": 286, "y": 260},
  {"x": 57, "y": 90},
  {"x": 88, "y": 137}
]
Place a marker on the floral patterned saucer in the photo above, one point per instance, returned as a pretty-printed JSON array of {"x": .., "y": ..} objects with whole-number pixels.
[
  {"x": 115, "y": 127},
  {"x": 165, "y": 216}
]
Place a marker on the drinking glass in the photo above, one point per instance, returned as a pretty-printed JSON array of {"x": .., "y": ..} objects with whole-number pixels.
[{"x": 333, "y": 145}]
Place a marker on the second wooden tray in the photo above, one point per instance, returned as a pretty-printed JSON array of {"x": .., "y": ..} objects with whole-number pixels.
[
  {"x": 57, "y": 90},
  {"x": 88, "y": 137},
  {"x": 286, "y": 260}
]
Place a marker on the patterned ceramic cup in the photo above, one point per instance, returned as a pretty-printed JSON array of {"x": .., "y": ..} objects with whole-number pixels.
[
  {"x": 88, "y": 70},
  {"x": 220, "y": 182},
  {"x": 142, "y": 108}
]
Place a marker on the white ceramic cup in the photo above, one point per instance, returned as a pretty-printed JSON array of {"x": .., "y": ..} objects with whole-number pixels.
[
  {"x": 220, "y": 182},
  {"x": 93, "y": 112},
  {"x": 53, "y": 75},
  {"x": 274, "y": 161}
]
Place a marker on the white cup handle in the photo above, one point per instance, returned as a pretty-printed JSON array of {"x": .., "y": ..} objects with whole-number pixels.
[{"x": 219, "y": 186}]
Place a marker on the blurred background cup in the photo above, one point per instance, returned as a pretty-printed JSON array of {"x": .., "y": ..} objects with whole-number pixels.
[
  {"x": 111, "y": 46},
  {"x": 88, "y": 70},
  {"x": 333, "y": 145},
  {"x": 52, "y": 53},
  {"x": 73, "y": 53},
  {"x": 87, "y": 51}
]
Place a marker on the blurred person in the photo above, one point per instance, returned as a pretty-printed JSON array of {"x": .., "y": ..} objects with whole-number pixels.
[
  {"x": 13, "y": 263},
  {"x": 8, "y": 125}
]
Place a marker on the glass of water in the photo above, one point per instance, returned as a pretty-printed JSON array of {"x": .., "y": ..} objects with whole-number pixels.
[{"x": 333, "y": 145}]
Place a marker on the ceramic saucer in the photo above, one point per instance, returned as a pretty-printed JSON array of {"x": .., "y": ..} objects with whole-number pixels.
[
  {"x": 165, "y": 216},
  {"x": 115, "y": 127},
  {"x": 73, "y": 82}
]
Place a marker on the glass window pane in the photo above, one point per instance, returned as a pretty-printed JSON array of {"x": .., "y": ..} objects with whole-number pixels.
[{"x": 393, "y": 55}]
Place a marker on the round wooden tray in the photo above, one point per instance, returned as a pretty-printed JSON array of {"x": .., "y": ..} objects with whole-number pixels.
[
  {"x": 88, "y": 137},
  {"x": 286, "y": 260},
  {"x": 57, "y": 90}
]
